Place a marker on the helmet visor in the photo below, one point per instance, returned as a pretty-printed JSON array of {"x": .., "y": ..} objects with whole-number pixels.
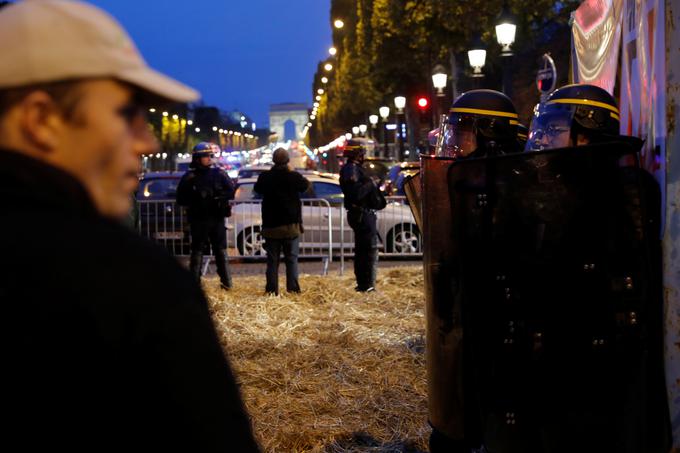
[
  {"x": 458, "y": 138},
  {"x": 550, "y": 128}
]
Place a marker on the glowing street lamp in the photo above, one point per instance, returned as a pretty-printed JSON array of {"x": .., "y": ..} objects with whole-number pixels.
[
  {"x": 328, "y": 67},
  {"x": 400, "y": 103},
  {"x": 339, "y": 23},
  {"x": 332, "y": 51},
  {"x": 505, "y": 35},
  {"x": 477, "y": 57},
  {"x": 439, "y": 79},
  {"x": 505, "y": 29},
  {"x": 373, "y": 119},
  {"x": 384, "y": 112},
  {"x": 324, "y": 79},
  {"x": 355, "y": 130},
  {"x": 363, "y": 128},
  {"x": 320, "y": 91}
]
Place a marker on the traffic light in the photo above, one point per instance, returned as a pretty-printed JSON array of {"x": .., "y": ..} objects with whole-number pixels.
[{"x": 425, "y": 111}]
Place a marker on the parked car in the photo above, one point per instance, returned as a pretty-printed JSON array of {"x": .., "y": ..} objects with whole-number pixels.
[
  {"x": 394, "y": 184},
  {"x": 252, "y": 171},
  {"x": 396, "y": 227}
]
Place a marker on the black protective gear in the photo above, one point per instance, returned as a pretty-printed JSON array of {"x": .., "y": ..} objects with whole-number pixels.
[
  {"x": 206, "y": 193},
  {"x": 554, "y": 271},
  {"x": 481, "y": 123}
]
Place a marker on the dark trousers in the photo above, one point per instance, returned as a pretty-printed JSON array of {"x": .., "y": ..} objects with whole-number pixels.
[
  {"x": 213, "y": 232},
  {"x": 364, "y": 224},
  {"x": 291, "y": 250}
]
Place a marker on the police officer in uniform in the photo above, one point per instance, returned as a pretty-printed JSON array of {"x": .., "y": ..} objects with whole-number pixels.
[
  {"x": 362, "y": 199},
  {"x": 206, "y": 190}
]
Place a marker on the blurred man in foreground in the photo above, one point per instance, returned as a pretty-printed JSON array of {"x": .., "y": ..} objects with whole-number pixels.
[{"x": 108, "y": 344}]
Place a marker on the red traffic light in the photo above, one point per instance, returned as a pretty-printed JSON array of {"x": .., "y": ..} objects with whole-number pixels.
[{"x": 423, "y": 103}]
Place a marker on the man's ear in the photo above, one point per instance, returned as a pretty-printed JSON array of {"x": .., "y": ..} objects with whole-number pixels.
[{"x": 40, "y": 120}]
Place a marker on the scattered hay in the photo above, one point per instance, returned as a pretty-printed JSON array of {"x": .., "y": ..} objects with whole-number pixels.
[{"x": 329, "y": 370}]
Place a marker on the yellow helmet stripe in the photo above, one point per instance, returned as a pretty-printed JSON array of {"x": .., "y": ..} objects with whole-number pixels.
[
  {"x": 484, "y": 112},
  {"x": 615, "y": 116},
  {"x": 514, "y": 122},
  {"x": 585, "y": 102}
]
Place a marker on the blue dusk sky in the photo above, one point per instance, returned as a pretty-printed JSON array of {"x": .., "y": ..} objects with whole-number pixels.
[{"x": 241, "y": 55}]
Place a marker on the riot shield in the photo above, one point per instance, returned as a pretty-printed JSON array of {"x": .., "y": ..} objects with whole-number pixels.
[{"x": 553, "y": 282}]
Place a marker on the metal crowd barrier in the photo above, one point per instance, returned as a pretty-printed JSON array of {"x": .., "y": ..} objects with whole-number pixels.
[
  {"x": 165, "y": 223},
  {"x": 326, "y": 231}
]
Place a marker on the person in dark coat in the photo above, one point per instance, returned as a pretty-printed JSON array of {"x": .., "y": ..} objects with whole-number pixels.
[
  {"x": 361, "y": 193},
  {"x": 206, "y": 191},
  {"x": 281, "y": 220},
  {"x": 107, "y": 343}
]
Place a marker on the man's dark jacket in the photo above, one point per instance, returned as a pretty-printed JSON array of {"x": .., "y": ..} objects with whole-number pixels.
[
  {"x": 280, "y": 189},
  {"x": 107, "y": 343}
]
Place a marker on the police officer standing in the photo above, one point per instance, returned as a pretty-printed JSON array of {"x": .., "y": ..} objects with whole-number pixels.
[
  {"x": 206, "y": 190},
  {"x": 362, "y": 199}
]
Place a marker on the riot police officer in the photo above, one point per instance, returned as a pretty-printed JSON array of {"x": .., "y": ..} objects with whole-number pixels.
[
  {"x": 206, "y": 190},
  {"x": 481, "y": 123},
  {"x": 547, "y": 264},
  {"x": 362, "y": 199}
]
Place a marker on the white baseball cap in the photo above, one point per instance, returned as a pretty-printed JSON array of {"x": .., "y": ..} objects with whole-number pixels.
[{"x": 54, "y": 40}]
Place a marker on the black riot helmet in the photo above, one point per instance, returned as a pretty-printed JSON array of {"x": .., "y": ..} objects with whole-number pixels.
[
  {"x": 481, "y": 123},
  {"x": 354, "y": 150},
  {"x": 202, "y": 149},
  {"x": 571, "y": 112}
]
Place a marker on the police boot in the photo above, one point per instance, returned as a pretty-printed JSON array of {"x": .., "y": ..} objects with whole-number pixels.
[
  {"x": 222, "y": 264},
  {"x": 195, "y": 264}
]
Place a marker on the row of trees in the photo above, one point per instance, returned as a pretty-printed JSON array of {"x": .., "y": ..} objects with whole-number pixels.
[{"x": 389, "y": 47}]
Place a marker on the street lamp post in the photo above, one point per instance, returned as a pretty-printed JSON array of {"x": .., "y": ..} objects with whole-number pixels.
[
  {"x": 477, "y": 57},
  {"x": 363, "y": 128},
  {"x": 439, "y": 79},
  {"x": 373, "y": 119},
  {"x": 384, "y": 114},
  {"x": 400, "y": 103},
  {"x": 505, "y": 35}
]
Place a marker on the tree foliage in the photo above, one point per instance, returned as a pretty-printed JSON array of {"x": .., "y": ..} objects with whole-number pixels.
[{"x": 389, "y": 47}]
